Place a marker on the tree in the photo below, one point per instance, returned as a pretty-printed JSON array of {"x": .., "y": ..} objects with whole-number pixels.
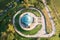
[
  {"x": 11, "y": 28},
  {"x": 3, "y": 36},
  {"x": 10, "y": 36}
]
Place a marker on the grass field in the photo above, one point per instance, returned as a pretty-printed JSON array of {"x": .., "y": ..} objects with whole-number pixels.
[
  {"x": 32, "y": 11},
  {"x": 55, "y": 12},
  {"x": 57, "y": 4}
]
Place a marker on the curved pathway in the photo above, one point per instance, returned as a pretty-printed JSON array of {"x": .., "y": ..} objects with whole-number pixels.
[
  {"x": 40, "y": 32},
  {"x": 51, "y": 20}
]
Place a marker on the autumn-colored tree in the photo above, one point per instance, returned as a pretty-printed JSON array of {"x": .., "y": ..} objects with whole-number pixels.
[{"x": 11, "y": 28}]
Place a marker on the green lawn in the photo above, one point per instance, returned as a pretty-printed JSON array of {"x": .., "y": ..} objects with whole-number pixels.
[
  {"x": 56, "y": 4},
  {"x": 32, "y": 11},
  {"x": 18, "y": 37}
]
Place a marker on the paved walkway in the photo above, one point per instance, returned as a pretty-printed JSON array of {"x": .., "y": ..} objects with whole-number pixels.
[{"x": 51, "y": 20}]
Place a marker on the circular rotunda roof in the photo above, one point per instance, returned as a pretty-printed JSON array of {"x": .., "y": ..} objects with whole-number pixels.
[{"x": 27, "y": 19}]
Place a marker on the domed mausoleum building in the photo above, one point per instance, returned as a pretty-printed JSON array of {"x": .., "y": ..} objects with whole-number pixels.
[{"x": 27, "y": 20}]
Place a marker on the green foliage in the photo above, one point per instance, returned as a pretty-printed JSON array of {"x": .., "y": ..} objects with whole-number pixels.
[
  {"x": 48, "y": 2},
  {"x": 18, "y": 37},
  {"x": 39, "y": 4},
  {"x": 55, "y": 4},
  {"x": 10, "y": 36},
  {"x": 32, "y": 11},
  {"x": 3, "y": 3}
]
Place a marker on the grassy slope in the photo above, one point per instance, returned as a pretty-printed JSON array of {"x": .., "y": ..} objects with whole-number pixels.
[
  {"x": 57, "y": 4},
  {"x": 56, "y": 18}
]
